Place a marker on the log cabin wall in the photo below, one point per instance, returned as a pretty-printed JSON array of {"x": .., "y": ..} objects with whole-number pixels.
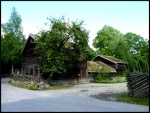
[
  {"x": 30, "y": 66},
  {"x": 30, "y": 61}
]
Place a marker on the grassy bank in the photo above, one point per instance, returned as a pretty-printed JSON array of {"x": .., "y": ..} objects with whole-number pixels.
[{"x": 123, "y": 97}]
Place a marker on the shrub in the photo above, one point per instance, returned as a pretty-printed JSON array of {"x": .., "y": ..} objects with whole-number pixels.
[
  {"x": 33, "y": 87},
  {"x": 123, "y": 74},
  {"x": 104, "y": 74}
]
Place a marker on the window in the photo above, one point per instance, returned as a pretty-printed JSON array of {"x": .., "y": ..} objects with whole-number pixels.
[{"x": 31, "y": 71}]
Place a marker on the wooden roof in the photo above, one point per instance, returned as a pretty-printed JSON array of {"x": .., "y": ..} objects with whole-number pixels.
[
  {"x": 29, "y": 37},
  {"x": 112, "y": 59},
  {"x": 94, "y": 66}
]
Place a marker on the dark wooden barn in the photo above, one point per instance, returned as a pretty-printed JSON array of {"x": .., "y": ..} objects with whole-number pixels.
[
  {"x": 30, "y": 61},
  {"x": 118, "y": 64},
  {"x": 31, "y": 64}
]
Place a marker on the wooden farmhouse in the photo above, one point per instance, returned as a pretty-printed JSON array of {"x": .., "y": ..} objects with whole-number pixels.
[
  {"x": 31, "y": 64},
  {"x": 117, "y": 65}
]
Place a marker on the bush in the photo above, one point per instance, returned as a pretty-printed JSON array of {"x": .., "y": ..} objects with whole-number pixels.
[
  {"x": 104, "y": 75},
  {"x": 33, "y": 87},
  {"x": 123, "y": 74}
]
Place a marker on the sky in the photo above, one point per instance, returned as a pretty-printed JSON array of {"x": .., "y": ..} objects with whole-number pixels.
[{"x": 125, "y": 16}]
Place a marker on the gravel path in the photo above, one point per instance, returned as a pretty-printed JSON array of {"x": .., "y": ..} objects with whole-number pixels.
[
  {"x": 96, "y": 90},
  {"x": 78, "y": 98}
]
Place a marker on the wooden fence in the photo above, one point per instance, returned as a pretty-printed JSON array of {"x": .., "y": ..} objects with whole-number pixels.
[{"x": 138, "y": 84}]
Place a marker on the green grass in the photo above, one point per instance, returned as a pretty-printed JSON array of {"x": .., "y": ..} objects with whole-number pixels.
[
  {"x": 117, "y": 79},
  {"x": 123, "y": 97}
]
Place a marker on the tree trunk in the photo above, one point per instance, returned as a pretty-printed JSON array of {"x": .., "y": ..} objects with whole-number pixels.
[
  {"x": 12, "y": 67},
  {"x": 50, "y": 78}
]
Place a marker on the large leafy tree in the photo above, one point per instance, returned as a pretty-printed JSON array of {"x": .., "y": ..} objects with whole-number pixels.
[
  {"x": 138, "y": 55},
  {"x": 109, "y": 41},
  {"x": 13, "y": 39},
  {"x": 62, "y": 45}
]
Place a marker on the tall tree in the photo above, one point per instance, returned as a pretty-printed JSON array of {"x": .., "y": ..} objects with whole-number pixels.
[
  {"x": 108, "y": 41},
  {"x": 62, "y": 45},
  {"x": 139, "y": 52},
  {"x": 13, "y": 39}
]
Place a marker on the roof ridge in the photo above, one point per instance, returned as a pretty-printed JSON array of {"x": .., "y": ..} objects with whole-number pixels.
[
  {"x": 30, "y": 35},
  {"x": 120, "y": 61},
  {"x": 109, "y": 59}
]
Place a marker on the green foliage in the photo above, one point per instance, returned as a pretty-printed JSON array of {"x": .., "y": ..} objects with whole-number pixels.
[
  {"x": 129, "y": 47},
  {"x": 138, "y": 54},
  {"x": 123, "y": 74},
  {"x": 33, "y": 87},
  {"x": 104, "y": 72},
  {"x": 117, "y": 79},
  {"x": 104, "y": 75},
  {"x": 13, "y": 39},
  {"x": 107, "y": 40},
  {"x": 90, "y": 53},
  {"x": 62, "y": 45}
]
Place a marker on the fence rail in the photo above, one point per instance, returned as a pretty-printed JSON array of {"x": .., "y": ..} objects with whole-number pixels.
[{"x": 138, "y": 84}]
